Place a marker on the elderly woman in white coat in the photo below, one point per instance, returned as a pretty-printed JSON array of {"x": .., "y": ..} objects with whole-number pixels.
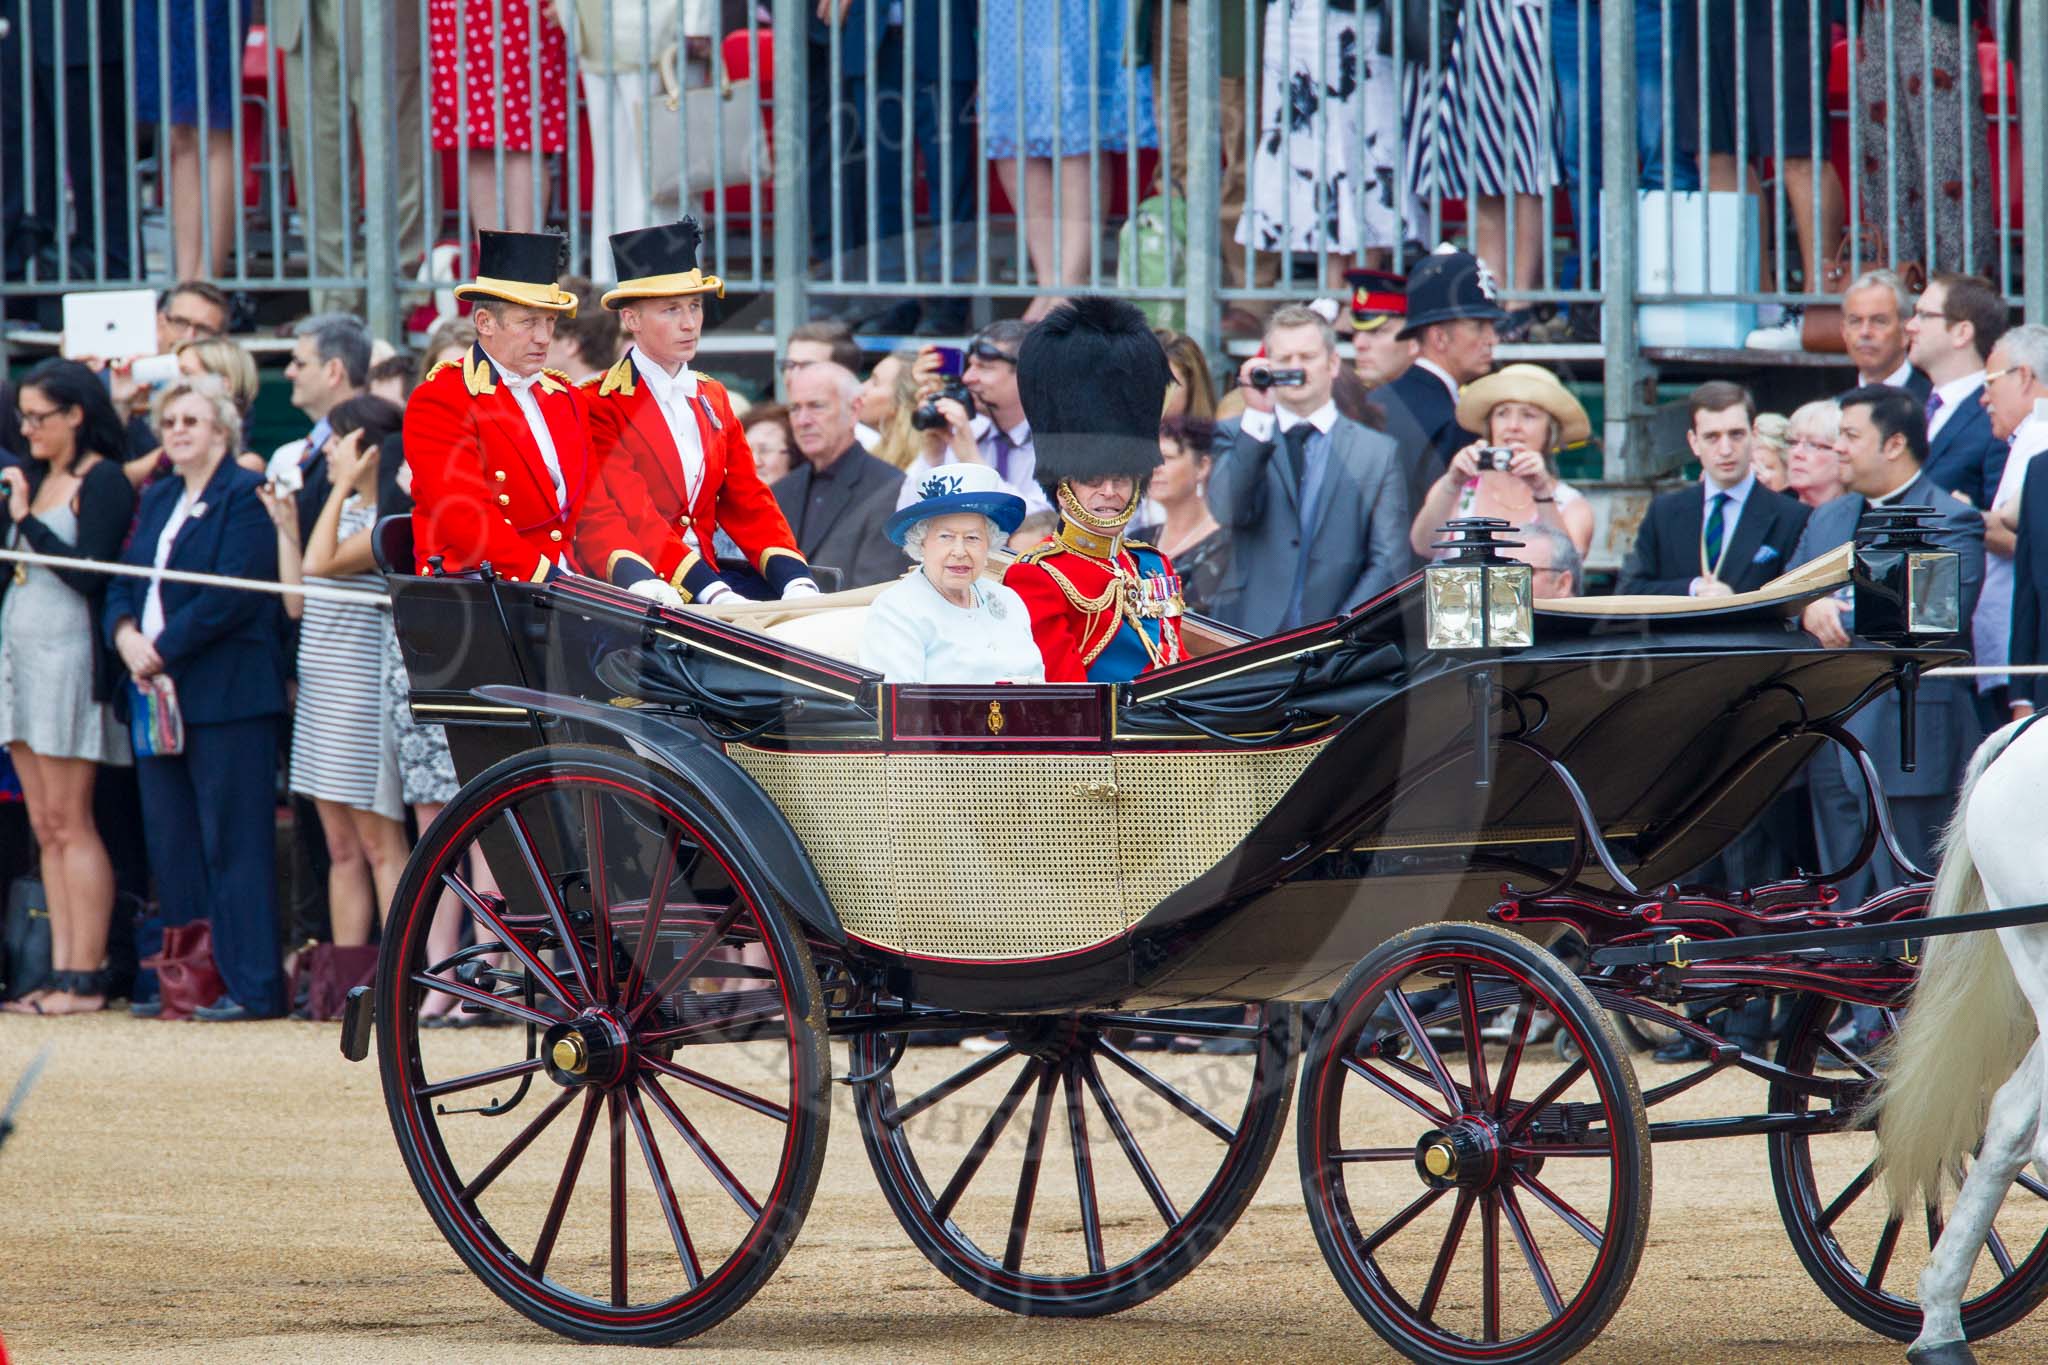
[{"x": 946, "y": 623}]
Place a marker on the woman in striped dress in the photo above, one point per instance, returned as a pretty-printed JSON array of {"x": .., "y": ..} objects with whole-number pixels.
[
  {"x": 1484, "y": 125},
  {"x": 338, "y": 734}
]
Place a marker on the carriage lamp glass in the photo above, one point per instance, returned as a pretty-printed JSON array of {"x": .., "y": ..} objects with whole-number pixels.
[
  {"x": 1908, "y": 589},
  {"x": 1475, "y": 598}
]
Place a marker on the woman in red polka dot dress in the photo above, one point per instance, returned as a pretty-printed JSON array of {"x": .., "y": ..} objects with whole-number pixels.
[{"x": 483, "y": 53}]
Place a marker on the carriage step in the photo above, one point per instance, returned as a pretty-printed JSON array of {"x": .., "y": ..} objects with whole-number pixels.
[{"x": 355, "y": 1022}]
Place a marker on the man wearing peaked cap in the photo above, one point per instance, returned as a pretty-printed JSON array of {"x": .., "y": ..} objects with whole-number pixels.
[
  {"x": 1379, "y": 310},
  {"x": 676, "y": 467},
  {"x": 499, "y": 445},
  {"x": 1093, "y": 379},
  {"x": 1451, "y": 318}
]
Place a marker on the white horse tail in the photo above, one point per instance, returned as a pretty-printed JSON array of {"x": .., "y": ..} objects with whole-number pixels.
[{"x": 1966, "y": 1031}]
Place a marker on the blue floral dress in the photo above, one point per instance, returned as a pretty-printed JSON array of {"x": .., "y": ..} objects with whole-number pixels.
[{"x": 1045, "y": 75}]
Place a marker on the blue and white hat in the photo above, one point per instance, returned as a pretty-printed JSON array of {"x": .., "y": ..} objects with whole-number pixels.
[{"x": 959, "y": 488}]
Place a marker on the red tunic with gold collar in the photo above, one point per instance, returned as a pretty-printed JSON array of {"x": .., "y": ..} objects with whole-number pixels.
[
  {"x": 1099, "y": 617},
  {"x": 643, "y": 481},
  {"x": 481, "y": 490}
]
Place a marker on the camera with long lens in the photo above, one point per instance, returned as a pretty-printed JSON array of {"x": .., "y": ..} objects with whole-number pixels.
[
  {"x": 952, "y": 364},
  {"x": 1266, "y": 378}
]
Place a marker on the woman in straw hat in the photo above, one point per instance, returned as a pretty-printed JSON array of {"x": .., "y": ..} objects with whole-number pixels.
[{"x": 1511, "y": 472}]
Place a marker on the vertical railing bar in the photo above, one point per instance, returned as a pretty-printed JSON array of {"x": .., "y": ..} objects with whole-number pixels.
[
  {"x": 1204, "y": 174},
  {"x": 2034, "y": 132},
  {"x": 1163, "y": 118},
  {"x": 906, "y": 163},
  {"x": 279, "y": 91},
  {"x": 465, "y": 232},
  {"x": 1621, "y": 455},
  {"x": 1853, "y": 191},
  {"x": 791, "y": 112},
  {"x": 1927, "y": 125},
  {"x": 534, "y": 98},
  {"x": 204, "y": 114},
  {"x": 342, "y": 55},
  {"x": 431, "y": 220},
  {"x": 1778, "y": 150},
  {"x": 138, "y": 267},
  {"x": 833, "y": 42},
  {"x": 380, "y": 131},
  {"x": 97, "y": 133},
  {"x": 1816, "y": 137},
  {"x": 942, "y": 106},
  {"x": 1547, "y": 162},
  {"x": 872, "y": 136}
]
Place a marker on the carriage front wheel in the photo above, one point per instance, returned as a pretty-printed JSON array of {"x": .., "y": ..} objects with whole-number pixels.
[
  {"x": 621, "y": 1131},
  {"x": 1477, "y": 1201}
]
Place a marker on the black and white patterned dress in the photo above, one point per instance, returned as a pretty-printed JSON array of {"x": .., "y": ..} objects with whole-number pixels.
[
  {"x": 1486, "y": 122},
  {"x": 1326, "y": 169}
]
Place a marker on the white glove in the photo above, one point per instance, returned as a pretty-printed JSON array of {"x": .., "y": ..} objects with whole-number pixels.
[
  {"x": 719, "y": 591},
  {"x": 800, "y": 587},
  {"x": 654, "y": 590}
]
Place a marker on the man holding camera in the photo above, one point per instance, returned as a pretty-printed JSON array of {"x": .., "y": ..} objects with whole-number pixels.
[
  {"x": 674, "y": 459},
  {"x": 1728, "y": 535},
  {"x": 999, "y": 434},
  {"x": 1316, "y": 504}
]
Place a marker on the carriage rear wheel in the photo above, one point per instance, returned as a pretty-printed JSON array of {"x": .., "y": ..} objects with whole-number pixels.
[
  {"x": 1476, "y": 1200},
  {"x": 628, "y": 1159},
  {"x": 1022, "y": 1225},
  {"x": 1863, "y": 1257}
]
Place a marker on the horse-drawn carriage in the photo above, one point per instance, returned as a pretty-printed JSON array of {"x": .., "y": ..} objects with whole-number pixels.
[{"x": 697, "y": 845}]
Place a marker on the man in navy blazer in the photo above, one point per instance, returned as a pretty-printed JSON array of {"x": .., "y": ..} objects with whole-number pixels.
[
  {"x": 210, "y": 818},
  {"x": 1885, "y": 439},
  {"x": 1950, "y": 335},
  {"x": 1452, "y": 316},
  {"x": 1874, "y": 312},
  {"x": 1729, "y": 534}
]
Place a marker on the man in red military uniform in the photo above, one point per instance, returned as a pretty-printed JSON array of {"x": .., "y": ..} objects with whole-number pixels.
[
  {"x": 1093, "y": 379},
  {"x": 499, "y": 446},
  {"x": 676, "y": 467}
]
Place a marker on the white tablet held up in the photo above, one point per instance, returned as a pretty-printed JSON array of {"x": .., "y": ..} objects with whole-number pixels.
[{"x": 112, "y": 325}]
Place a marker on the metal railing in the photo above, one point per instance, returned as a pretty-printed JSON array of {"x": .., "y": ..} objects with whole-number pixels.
[{"x": 362, "y": 159}]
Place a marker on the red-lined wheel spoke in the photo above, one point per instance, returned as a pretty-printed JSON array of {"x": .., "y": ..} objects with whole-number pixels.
[
  {"x": 694, "y": 1140},
  {"x": 734, "y": 1026},
  {"x": 1566, "y": 1214},
  {"x": 1391, "y": 1229},
  {"x": 1445, "y": 1255},
  {"x": 1564, "y": 1081},
  {"x": 497, "y": 1003},
  {"x": 746, "y": 1099},
  {"x": 2000, "y": 1256},
  {"x": 686, "y": 965},
  {"x": 1416, "y": 1073},
  {"x": 901, "y": 1114},
  {"x": 550, "y": 899},
  {"x": 1525, "y": 1238},
  {"x": 1388, "y": 1086},
  {"x": 1511, "y": 1064},
  {"x": 511, "y": 1153},
  {"x": 1475, "y": 1047},
  {"x": 1373, "y": 1154},
  {"x": 1489, "y": 1231},
  {"x": 650, "y": 918},
  {"x": 1849, "y": 1195},
  {"x": 478, "y": 1078},
  {"x": 616, "y": 1104},
  {"x": 1881, "y": 1260},
  {"x": 985, "y": 1140},
  {"x": 511, "y": 942},
  {"x": 1140, "y": 1167},
  {"x": 1027, "y": 1175},
  {"x": 600, "y": 893},
  {"x": 2031, "y": 1185},
  {"x": 664, "y": 1193},
  {"x": 551, "y": 1227},
  {"x": 1084, "y": 1171},
  {"x": 1419, "y": 1039},
  {"x": 1217, "y": 1127}
]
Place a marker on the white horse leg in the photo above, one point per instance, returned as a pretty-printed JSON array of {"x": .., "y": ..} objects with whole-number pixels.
[{"x": 2010, "y": 1140}]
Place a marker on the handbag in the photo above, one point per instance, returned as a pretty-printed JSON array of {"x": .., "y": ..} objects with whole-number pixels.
[
  {"x": 25, "y": 939},
  {"x": 1821, "y": 328},
  {"x": 1151, "y": 237},
  {"x": 723, "y": 118},
  {"x": 327, "y": 972},
  {"x": 185, "y": 974},
  {"x": 614, "y": 36},
  {"x": 156, "y": 726}
]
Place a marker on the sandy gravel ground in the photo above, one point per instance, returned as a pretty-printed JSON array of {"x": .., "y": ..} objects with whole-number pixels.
[{"x": 232, "y": 1194}]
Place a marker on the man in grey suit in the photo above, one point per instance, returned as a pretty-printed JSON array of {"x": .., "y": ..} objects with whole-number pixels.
[
  {"x": 1884, "y": 432},
  {"x": 1316, "y": 504},
  {"x": 839, "y": 497}
]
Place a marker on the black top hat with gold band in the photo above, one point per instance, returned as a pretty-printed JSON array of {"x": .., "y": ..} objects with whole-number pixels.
[
  {"x": 660, "y": 262},
  {"x": 1376, "y": 297},
  {"x": 520, "y": 267}
]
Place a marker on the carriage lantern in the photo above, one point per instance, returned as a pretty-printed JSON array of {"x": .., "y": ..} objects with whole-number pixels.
[
  {"x": 1477, "y": 598},
  {"x": 1908, "y": 588}
]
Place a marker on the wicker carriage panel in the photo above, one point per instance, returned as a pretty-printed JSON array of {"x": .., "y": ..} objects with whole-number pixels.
[
  {"x": 837, "y": 804},
  {"x": 1004, "y": 857},
  {"x": 1178, "y": 814}
]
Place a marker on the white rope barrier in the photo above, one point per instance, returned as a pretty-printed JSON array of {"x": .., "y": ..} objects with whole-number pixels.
[{"x": 311, "y": 591}]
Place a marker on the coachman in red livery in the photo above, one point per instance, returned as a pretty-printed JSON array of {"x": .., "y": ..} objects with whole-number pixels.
[
  {"x": 500, "y": 446},
  {"x": 675, "y": 458}
]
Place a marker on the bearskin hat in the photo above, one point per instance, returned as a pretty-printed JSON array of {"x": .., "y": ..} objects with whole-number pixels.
[{"x": 1093, "y": 379}]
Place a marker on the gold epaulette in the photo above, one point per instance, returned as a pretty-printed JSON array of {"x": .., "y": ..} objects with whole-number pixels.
[
  {"x": 438, "y": 367},
  {"x": 589, "y": 379},
  {"x": 1130, "y": 544},
  {"x": 618, "y": 379},
  {"x": 561, "y": 377},
  {"x": 1040, "y": 551}
]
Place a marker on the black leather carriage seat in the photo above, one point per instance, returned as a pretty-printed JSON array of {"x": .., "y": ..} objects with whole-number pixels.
[{"x": 391, "y": 544}]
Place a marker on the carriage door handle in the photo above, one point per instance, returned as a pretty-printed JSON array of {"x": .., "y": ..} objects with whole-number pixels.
[{"x": 1097, "y": 791}]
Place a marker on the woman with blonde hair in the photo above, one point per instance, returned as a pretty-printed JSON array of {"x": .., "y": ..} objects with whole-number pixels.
[
  {"x": 1767, "y": 449},
  {"x": 1813, "y": 464},
  {"x": 886, "y": 401},
  {"x": 225, "y": 358}
]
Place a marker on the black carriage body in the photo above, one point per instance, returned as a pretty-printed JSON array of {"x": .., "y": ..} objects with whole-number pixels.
[{"x": 1243, "y": 827}]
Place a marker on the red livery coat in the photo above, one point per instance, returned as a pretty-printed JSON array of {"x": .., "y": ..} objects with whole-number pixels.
[
  {"x": 646, "y": 504},
  {"x": 481, "y": 490},
  {"x": 1080, "y": 616}
]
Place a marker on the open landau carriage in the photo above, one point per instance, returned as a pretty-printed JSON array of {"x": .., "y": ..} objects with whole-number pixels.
[{"x": 697, "y": 845}]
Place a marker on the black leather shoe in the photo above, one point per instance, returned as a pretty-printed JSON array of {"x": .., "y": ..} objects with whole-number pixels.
[
  {"x": 1680, "y": 1050},
  {"x": 146, "y": 1009},
  {"x": 226, "y": 1010}
]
